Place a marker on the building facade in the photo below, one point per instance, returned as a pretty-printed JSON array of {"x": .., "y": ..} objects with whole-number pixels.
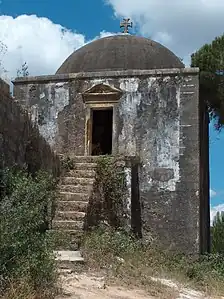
[{"x": 130, "y": 96}]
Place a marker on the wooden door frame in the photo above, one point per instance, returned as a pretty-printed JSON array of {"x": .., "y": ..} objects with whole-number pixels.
[
  {"x": 100, "y": 96},
  {"x": 89, "y": 124}
]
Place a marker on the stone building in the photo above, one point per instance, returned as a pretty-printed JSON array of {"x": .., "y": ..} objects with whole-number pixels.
[{"x": 131, "y": 96}]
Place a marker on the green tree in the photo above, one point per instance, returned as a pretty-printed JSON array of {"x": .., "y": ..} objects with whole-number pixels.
[
  {"x": 210, "y": 60},
  {"x": 218, "y": 233}
]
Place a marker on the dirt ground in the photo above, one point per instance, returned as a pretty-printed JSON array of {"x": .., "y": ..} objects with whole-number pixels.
[
  {"x": 89, "y": 286},
  {"x": 92, "y": 286}
]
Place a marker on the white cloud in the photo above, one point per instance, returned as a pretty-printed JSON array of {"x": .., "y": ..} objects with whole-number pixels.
[
  {"x": 38, "y": 41},
  {"x": 183, "y": 26},
  {"x": 212, "y": 193},
  {"x": 214, "y": 210},
  {"x": 105, "y": 34}
]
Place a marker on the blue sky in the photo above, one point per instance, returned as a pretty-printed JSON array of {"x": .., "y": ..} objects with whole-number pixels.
[
  {"x": 87, "y": 17},
  {"x": 45, "y": 32}
]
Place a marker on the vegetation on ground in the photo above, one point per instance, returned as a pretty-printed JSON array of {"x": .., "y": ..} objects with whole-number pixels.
[
  {"x": 126, "y": 260},
  {"x": 130, "y": 261},
  {"x": 27, "y": 263}
]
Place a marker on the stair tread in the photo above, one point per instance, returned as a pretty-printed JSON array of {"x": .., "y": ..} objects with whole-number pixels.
[
  {"x": 70, "y": 212},
  {"x": 69, "y": 215},
  {"x": 82, "y": 172},
  {"x": 73, "y": 193},
  {"x": 78, "y": 178},
  {"x": 73, "y": 201},
  {"x": 68, "y": 180},
  {"x": 67, "y": 255},
  {"x": 66, "y": 230},
  {"x": 84, "y": 163},
  {"x": 67, "y": 221},
  {"x": 75, "y": 185}
]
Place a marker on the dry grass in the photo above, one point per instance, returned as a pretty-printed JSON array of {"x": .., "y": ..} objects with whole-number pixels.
[
  {"x": 127, "y": 268},
  {"x": 19, "y": 290},
  {"x": 22, "y": 289},
  {"x": 129, "y": 274},
  {"x": 128, "y": 263}
]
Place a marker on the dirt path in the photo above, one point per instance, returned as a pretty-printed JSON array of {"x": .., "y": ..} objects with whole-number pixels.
[
  {"x": 92, "y": 286},
  {"x": 87, "y": 286}
]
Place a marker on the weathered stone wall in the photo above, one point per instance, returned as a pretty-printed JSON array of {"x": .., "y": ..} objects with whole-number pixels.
[
  {"x": 157, "y": 120},
  {"x": 45, "y": 102},
  {"x": 20, "y": 141}
]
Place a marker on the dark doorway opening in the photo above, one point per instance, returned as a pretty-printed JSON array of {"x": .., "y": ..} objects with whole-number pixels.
[{"x": 102, "y": 128}]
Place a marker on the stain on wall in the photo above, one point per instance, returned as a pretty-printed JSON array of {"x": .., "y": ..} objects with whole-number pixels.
[
  {"x": 157, "y": 120},
  {"x": 20, "y": 140}
]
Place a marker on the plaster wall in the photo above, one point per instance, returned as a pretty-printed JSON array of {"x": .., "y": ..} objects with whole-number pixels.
[{"x": 155, "y": 119}]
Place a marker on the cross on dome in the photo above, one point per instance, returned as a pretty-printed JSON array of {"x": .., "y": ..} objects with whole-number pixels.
[{"x": 125, "y": 24}]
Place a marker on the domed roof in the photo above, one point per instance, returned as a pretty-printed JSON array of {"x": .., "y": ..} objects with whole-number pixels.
[{"x": 120, "y": 52}]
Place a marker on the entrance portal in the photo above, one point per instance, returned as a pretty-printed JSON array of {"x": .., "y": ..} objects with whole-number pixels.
[{"x": 102, "y": 127}]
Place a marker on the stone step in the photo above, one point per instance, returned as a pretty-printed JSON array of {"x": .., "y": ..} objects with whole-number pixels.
[
  {"x": 79, "y": 206},
  {"x": 67, "y": 225},
  {"x": 79, "y": 173},
  {"x": 84, "y": 166},
  {"x": 68, "y": 259},
  {"x": 85, "y": 159},
  {"x": 68, "y": 255},
  {"x": 76, "y": 188},
  {"x": 66, "y": 180},
  {"x": 70, "y": 196},
  {"x": 69, "y": 215},
  {"x": 66, "y": 239}
]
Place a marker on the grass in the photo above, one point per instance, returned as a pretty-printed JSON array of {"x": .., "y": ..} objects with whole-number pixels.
[
  {"x": 19, "y": 290},
  {"x": 127, "y": 262},
  {"x": 22, "y": 289}
]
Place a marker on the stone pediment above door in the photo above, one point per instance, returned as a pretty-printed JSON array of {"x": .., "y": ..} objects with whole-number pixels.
[{"x": 102, "y": 93}]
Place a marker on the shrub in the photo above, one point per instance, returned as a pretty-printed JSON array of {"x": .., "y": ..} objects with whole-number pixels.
[
  {"x": 108, "y": 201},
  {"x": 111, "y": 242},
  {"x": 67, "y": 163},
  {"x": 26, "y": 209}
]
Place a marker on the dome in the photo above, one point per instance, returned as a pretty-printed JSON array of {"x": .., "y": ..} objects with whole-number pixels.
[{"x": 120, "y": 52}]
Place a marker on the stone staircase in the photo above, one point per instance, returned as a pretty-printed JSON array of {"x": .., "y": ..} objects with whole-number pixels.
[{"x": 75, "y": 187}]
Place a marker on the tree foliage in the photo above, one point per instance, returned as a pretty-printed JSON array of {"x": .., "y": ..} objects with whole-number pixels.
[
  {"x": 218, "y": 233},
  {"x": 23, "y": 72},
  {"x": 210, "y": 60}
]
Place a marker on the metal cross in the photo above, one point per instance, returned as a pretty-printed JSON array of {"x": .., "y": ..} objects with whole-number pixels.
[{"x": 125, "y": 24}]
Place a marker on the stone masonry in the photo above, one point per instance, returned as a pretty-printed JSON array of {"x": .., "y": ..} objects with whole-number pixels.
[
  {"x": 156, "y": 117},
  {"x": 74, "y": 190},
  {"x": 20, "y": 140}
]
